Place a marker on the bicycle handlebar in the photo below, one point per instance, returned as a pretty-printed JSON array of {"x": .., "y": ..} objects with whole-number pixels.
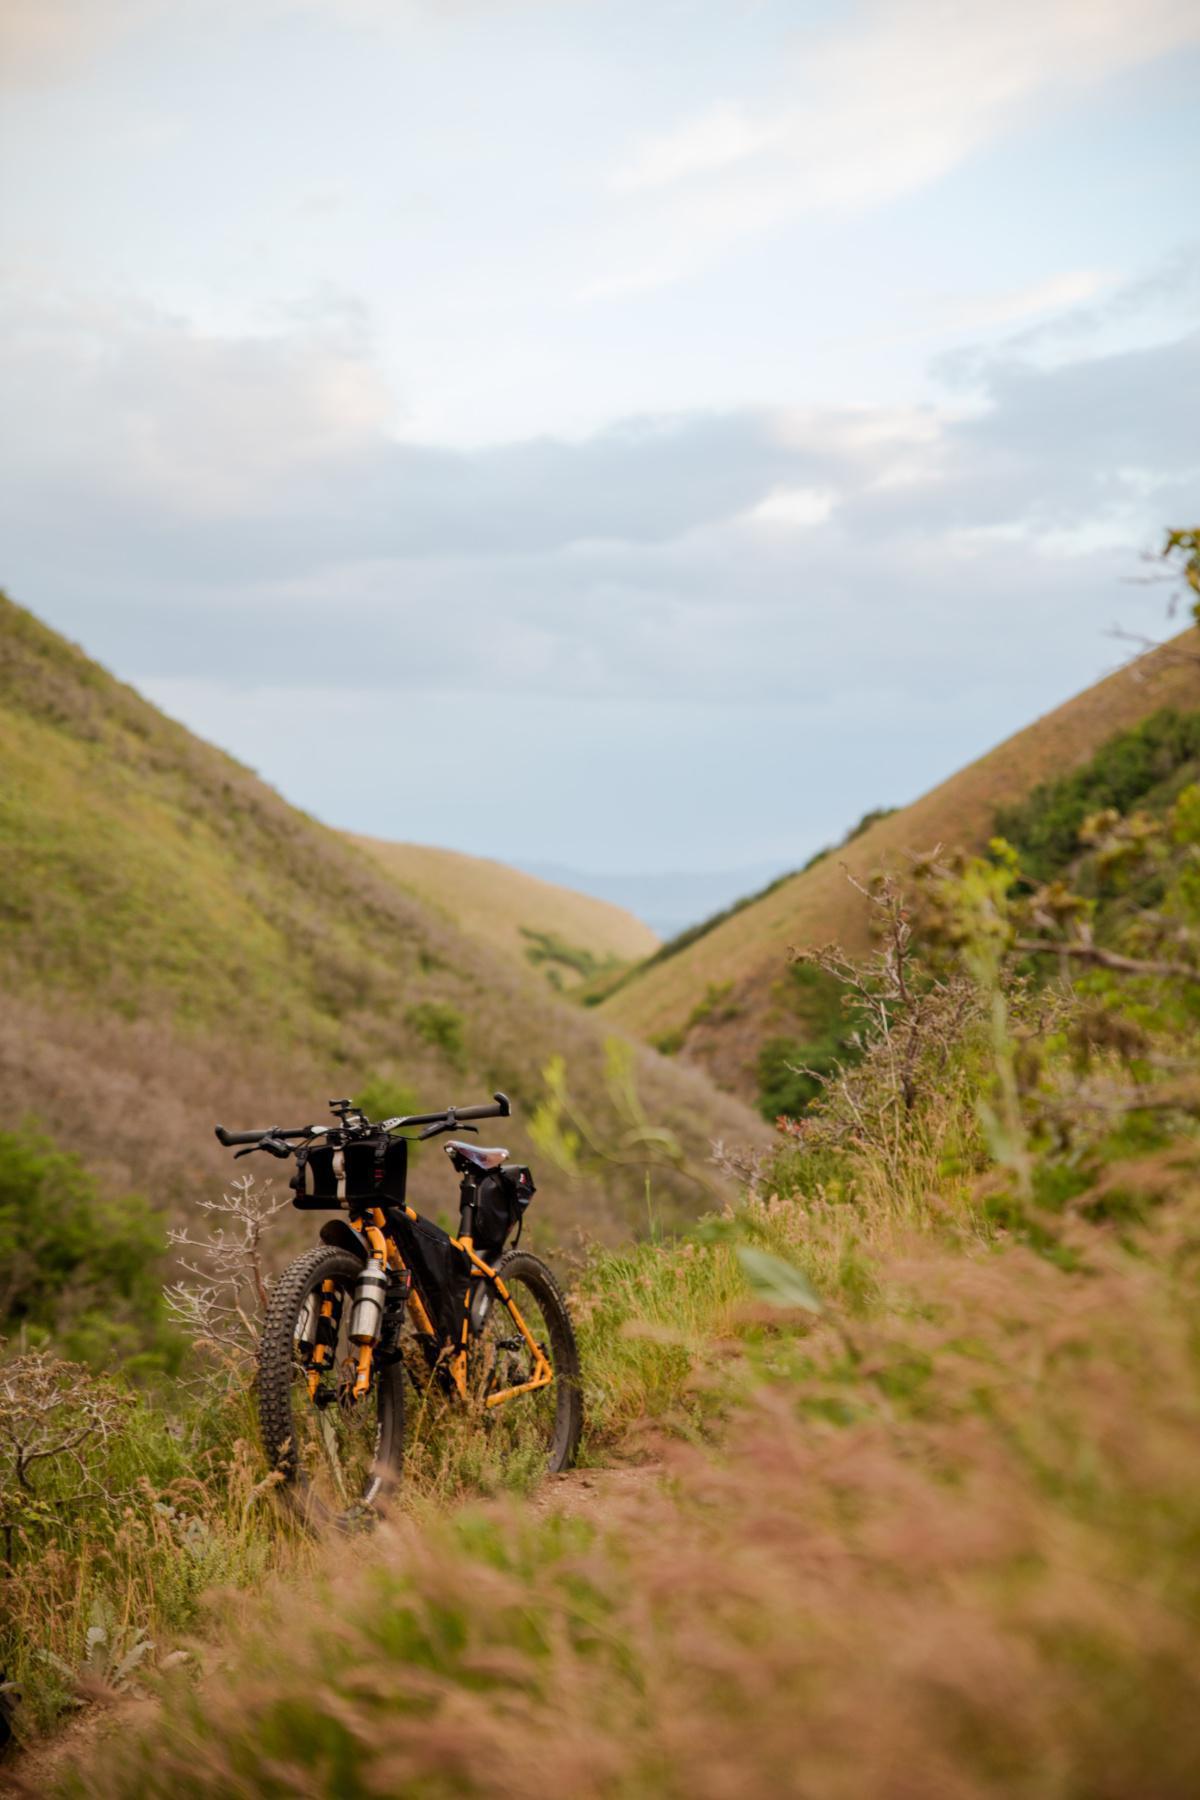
[
  {"x": 229, "y": 1138},
  {"x": 499, "y": 1109},
  {"x": 450, "y": 1115}
]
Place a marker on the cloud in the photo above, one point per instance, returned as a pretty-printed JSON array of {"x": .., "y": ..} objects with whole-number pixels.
[
  {"x": 192, "y": 505},
  {"x": 193, "y": 425},
  {"x": 796, "y": 508},
  {"x": 43, "y": 41},
  {"x": 1161, "y": 299},
  {"x": 986, "y": 311},
  {"x": 47, "y": 41},
  {"x": 886, "y": 103}
]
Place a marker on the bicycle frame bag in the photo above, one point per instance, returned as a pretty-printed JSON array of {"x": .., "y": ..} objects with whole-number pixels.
[
  {"x": 365, "y": 1172},
  {"x": 500, "y": 1202},
  {"x": 438, "y": 1269}
]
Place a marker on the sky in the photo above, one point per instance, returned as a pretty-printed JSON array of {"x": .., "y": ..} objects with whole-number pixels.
[{"x": 628, "y": 437}]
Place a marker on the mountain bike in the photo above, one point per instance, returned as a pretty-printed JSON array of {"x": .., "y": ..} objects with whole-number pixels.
[{"x": 388, "y": 1299}]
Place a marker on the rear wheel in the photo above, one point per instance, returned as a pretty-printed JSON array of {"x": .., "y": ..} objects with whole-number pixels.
[
  {"x": 541, "y": 1426},
  {"x": 338, "y": 1456}
]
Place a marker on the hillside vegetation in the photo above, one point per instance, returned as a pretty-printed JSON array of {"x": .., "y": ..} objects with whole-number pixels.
[
  {"x": 928, "y": 1398},
  {"x": 571, "y": 938},
  {"x": 744, "y": 960},
  {"x": 178, "y": 945},
  {"x": 920, "y": 1403}
]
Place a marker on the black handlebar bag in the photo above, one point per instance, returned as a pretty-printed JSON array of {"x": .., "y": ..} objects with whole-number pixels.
[{"x": 365, "y": 1172}]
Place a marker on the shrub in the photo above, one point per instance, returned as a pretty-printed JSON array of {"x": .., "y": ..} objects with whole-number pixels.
[
  {"x": 77, "y": 1266},
  {"x": 383, "y": 1098},
  {"x": 549, "y": 949},
  {"x": 136, "y": 1515},
  {"x": 438, "y": 1023},
  {"x": 1045, "y": 827},
  {"x": 792, "y": 1068},
  {"x": 792, "y": 1072}
]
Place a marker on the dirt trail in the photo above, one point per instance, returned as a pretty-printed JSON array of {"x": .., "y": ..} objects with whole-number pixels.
[
  {"x": 594, "y": 1493},
  {"x": 35, "y": 1770}
]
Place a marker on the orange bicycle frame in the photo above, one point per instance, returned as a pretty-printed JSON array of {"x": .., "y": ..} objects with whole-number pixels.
[{"x": 386, "y": 1252}]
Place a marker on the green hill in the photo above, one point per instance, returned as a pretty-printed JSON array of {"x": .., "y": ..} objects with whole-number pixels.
[
  {"x": 179, "y": 945},
  {"x": 571, "y": 938},
  {"x": 726, "y": 999}
]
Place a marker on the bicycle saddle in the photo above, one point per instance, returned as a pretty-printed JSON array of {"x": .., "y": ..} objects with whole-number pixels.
[{"x": 479, "y": 1154}]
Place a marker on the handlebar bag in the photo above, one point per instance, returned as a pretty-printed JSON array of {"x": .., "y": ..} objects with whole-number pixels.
[
  {"x": 500, "y": 1202},
  {"x": 365, "y": 1172}
]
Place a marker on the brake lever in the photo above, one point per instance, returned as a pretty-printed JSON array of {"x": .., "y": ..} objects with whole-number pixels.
[
  {"x": 273, "y": 1146},
  {"x": 437, "y": 1130}
]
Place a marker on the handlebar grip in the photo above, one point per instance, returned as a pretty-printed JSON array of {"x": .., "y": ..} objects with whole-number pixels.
[
  {"x": 253, "y": 1137},
  {"x": 500, "y": 1109}
]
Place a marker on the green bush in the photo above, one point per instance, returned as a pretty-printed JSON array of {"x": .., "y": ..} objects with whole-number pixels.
[
  {"x": 77, "y": 1267},
  {"x": 547, "y": 948},
  {"x": 438, "y": 1023},
  {"x": 819, "y": 1042},
  {"x": 791, "y": 1073},
  {"x": 1123, "y": 773},
  {"x": 382, "y": 1098}
]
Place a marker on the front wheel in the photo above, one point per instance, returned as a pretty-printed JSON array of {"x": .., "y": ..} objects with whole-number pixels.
[
  {"x": 539, "y": 1426},
  {"x": 337, "y": 1456}
]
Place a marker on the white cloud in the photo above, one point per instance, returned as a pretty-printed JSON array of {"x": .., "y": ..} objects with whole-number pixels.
[
  {"x": 246, "y": 484},
  {"x": 797, "y": 508},
  {"x": 727, "y": 134},
  {"x": 193, "y": 423},
  {"x": 702, "y": 603},
  {"x": 983, "y": 312},
  {"x": 881, "y": 106}
]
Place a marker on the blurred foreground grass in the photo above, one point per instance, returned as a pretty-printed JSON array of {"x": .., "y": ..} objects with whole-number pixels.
[{"x": 940, "y": 1537}]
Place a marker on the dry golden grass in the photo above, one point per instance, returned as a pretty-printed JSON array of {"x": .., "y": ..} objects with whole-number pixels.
[
  {"x": 492, "y": 902},
  {"x": 750, "y": 949}
]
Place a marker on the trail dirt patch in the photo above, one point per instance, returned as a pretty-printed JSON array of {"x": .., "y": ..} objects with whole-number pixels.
[{"x": 596, "y": 1494}]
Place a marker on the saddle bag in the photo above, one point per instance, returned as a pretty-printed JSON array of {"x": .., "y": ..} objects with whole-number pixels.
[
  {"x": 500, "y": 1202},
  {"x": 370, "y": 1172}
]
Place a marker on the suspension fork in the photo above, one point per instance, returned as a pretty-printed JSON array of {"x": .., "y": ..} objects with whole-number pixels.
[{"x": 328, "y": 1317}]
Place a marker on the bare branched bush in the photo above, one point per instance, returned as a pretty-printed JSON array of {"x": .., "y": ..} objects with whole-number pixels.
[
  {"x": 53, "y": 1416},
  {"x": 907, "y": 1024},
  {"x": 220, "y": 1305},
  {"x": 741, "y": 1165}
]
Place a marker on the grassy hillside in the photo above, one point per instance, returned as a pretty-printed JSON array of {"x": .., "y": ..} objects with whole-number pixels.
[
  {"x": 570, "y": 938},
  {"x": 926, "y": 1413},
  {"x": 729, "y": 992},
  {"x": 179, "y": 945}
]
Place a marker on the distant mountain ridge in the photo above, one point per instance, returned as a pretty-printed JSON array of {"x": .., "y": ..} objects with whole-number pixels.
[{"x": 667, "y": 902}]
